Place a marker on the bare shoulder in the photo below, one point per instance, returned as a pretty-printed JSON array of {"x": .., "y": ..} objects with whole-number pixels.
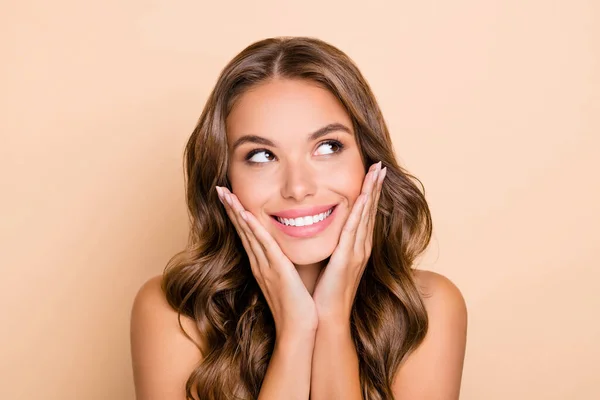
[
  {"x": 438, "y": 292},
  {"x": 163, "y": 357},
  {"x": 444, "y": 302},
  {"x": 440, "y": 357}
]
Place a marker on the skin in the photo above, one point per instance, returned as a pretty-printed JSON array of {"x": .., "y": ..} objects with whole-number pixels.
[
  {"x": 163, "y": 356},
  {"x": 309, "y": 283},
  {"x": 297, "y": 172}
]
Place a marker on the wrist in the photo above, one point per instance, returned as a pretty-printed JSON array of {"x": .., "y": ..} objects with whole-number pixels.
[
  {"x": 334, "y": 326},
  {"x": 296, "y": 338}
]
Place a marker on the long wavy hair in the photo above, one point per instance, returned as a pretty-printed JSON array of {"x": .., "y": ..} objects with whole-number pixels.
[{"x": 211, "y": 281}]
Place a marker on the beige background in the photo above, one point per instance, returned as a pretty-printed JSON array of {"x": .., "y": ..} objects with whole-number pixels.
[{"x": 493, "y": 104}]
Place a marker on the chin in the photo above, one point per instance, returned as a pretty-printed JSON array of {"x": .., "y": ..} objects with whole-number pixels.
[
  {"x": 308, "y": 253},
  {"x": 307, "y": 259}
]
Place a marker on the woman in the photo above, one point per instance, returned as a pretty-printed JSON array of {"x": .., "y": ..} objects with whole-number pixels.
[{"x": 297, "y": 282}]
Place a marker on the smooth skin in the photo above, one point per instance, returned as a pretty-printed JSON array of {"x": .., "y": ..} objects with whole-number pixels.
[
  {"x": 296, "y": 314},
  {"x": 336, "y": 285},
  {"x": 275, "y": 164},
  {"x": 314, "y": 353}
]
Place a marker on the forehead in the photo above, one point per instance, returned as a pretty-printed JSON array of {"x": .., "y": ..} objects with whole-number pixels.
[{"x": 284, "y": 108}]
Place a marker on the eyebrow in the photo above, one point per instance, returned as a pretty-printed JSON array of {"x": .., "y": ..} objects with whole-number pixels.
[{"x": 313, "y": 136}]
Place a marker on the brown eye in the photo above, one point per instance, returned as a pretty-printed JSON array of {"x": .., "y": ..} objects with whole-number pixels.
[
  {"x": 329, "y": 147},
  {"x": 259, "y": 156}
]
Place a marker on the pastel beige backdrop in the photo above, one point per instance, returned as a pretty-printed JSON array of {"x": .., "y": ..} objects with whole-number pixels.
[{"x": 493, "y": 104}]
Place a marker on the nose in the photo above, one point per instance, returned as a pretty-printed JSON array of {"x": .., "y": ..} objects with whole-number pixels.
[{"x": 299, "y": 181}]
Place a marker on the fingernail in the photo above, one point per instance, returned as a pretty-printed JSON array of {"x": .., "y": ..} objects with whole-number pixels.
[
  {"x": 219, "y": 192},
  {"x": 243, "y": 215},
  {"x": 383, "y": 173},
  {"x": 379, "y": 166},
  {"x": 375, "y": 175},
  {"x": 228, "y": 198}
]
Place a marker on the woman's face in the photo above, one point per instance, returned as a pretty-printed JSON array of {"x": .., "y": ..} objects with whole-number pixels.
[{"x": 293, "y": 156}]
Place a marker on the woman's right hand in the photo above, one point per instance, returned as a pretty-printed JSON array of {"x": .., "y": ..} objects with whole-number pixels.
[{"x": 293, "y": 308}]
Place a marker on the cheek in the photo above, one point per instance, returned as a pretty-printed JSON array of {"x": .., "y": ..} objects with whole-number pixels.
[
  {"x": 349, "y": 182},
  {"x": 253, "y": 193},
  {"x": 345, "y": 175}
]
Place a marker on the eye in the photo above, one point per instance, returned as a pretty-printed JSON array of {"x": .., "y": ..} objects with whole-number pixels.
[
  {"x": 259, "y": 156},
  {"x": 330, "y": 147}
]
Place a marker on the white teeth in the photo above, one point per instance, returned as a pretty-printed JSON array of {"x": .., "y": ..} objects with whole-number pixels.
[{"x": 304, "y": 221}]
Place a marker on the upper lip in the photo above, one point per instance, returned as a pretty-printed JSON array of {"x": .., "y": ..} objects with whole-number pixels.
[{"x": 303, "y": 212}]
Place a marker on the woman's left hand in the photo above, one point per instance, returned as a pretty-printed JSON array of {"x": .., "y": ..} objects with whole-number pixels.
[{"x": 338, "y": 282}]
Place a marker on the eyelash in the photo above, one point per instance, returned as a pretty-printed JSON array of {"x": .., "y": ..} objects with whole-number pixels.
[{"x": 332, "y": 142}]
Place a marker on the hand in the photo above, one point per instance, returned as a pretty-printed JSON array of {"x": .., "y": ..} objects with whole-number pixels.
[
  {"x": 338, "y": 282},
  {"x": 292, "y": 306}
]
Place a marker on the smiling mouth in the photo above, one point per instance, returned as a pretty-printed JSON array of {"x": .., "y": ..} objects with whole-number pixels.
[{"x": 304, "y": 221}]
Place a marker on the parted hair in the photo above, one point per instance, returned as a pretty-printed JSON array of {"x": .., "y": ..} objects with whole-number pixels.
[{"x": 211, "y": 281}]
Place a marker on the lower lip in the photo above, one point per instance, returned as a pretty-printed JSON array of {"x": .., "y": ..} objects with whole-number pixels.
[{"x": 306, "y": 231}]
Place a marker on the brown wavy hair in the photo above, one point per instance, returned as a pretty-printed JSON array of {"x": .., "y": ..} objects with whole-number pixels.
[{"x": 211, "y": 280}]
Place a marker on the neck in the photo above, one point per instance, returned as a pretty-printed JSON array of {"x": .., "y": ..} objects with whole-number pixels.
[{"x": 309, "y": 274}]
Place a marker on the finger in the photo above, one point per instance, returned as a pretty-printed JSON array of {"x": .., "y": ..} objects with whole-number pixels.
[
  {"x": 348, "y": 236},
  {"x": 376, "y": 190},
  {"x": 362, "y": 230},
  {"x": 270, "y": 253},
  {"x": 242, "y": 216},
  {"x": 369, "y": 183},
  {"x": 275, "y": 256},
  {"x": 271, "y": 249},
  {"x": 373, "y": 216},
  {"x": 231, "y": 214},
  {"x": 226, "y": 201},
  {"x": 252, "y": 257},
  {"x": 368, "y": 180}
]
